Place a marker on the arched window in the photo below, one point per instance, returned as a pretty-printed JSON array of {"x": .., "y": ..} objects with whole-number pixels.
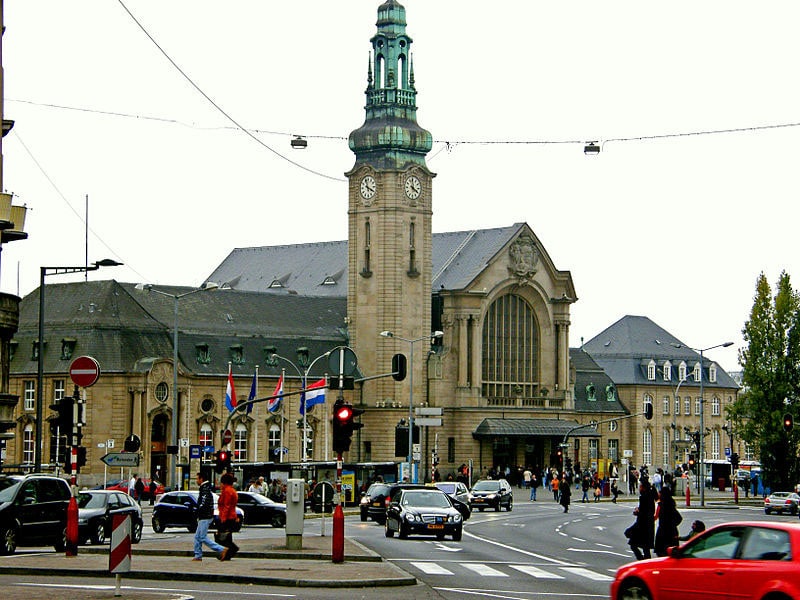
[
  {"x": 667, "y": 371},
  {"x": 682, "y": 371},
  {"x": 274, "y": 442},
  {"x": 651, "y": 370},
  {"x": 665, "y": 442},
  {"x": 712, "y": 373},
  {"x": 697, "y": 372},
  {"x": 715, "y": 444},
  {"x": 510, "y": 363},
  {"x": 648, "y": 399},
  {"x": 28, "y": 444},
  {"x": 240, "y": 443},
  {"x": 647, "y": 447},
  {"x": 206, "y": 438}
]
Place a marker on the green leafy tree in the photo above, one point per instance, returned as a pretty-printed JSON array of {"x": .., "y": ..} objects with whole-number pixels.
[{"x": 770, "y": 378}]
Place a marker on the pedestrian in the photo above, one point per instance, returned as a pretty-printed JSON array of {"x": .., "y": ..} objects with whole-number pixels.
[
  {"x": 614, "y": 491},
  {"x": 585, "y": 483},
  {"x": 205, "y": 514},
  {"x": 698, "y": 527},
  {"x": 139, "y": 489},
  {"x": 534, "y": 485},
  {"x": 564, "y": 492},
  {"x": 258, "y": 487},
  {"x": 554, "y": 485},
  {"x": 226, "y": 506},
  {"x": 668, "y": 521},
  {"x": 153, "y": 488},
  {"x": 598, "y": 490},
  {"x": 526, "y": 477},
  {"x": 132, "y": 485},
  {"x": 640, "y": 535}
]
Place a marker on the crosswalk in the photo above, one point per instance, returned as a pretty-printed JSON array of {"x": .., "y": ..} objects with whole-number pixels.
[{"x": 507, "y": 570}]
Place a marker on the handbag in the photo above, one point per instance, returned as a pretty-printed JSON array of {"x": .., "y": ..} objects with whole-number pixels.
[{"x": 631, "y": 531}]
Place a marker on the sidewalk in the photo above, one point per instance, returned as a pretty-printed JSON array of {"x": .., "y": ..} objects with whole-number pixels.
[{"x": 259, "y": 562}]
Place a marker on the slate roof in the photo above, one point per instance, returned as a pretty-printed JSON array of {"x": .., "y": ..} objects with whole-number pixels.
[
  {"x": 490, "y": 428},
  {"x": 589, "y": 373},
  {"x": 126, "y": 329},
  {"x": 320, "y": 268},
  {"x": 626, "y": 347}
]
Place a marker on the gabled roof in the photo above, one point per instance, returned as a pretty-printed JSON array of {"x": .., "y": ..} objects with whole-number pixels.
[
  {"x": 590, "y": 377},
  {"x": 320, "y": 268},
  {"x": 625, "y": 348}
]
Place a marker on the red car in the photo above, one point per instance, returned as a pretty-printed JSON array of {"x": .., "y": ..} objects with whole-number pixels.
[
  {"x": 121, "y": 485},
  {"x": 733, "y": 560}
]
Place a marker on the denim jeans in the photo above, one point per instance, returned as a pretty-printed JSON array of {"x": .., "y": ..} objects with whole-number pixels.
[
  {"x": 201, "y": 537},
  {"x": 533, "y": 492}
]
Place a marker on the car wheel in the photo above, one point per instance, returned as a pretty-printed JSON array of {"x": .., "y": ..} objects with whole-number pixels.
[
  {"x": 510, "y": 505},
  {"x": 8, "y": 539},
  {"x": 61, "y": 542},
  {"x": 457, "y": 535},
  {"x": 497, "y": 506},
  {"x": 98, "y": 535},
  {"x": 793, "y": 511},
  {"x": 388, "y": 531},
  {"x": 633, "y": 590},
  {"x": 279, "y": 520},
  {"x": 402, "y": 532},
  {"x": 158, "y": 526},
  {"x": 136, "y": 532}
]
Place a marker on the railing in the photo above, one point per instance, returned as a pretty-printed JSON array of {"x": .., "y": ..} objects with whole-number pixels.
[{"x": 536, "y": 402}]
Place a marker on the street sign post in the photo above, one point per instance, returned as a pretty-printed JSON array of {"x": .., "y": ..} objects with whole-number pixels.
[
  {"x": 84, "y": 371},
  {"x": 121, "y": 459}
]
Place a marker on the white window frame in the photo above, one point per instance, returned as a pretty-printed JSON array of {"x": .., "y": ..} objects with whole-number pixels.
[
  {"x": 206, "y": 438},
  {"x": 274, "y": 442},
  {"x": 240, "y": 443},
  {"x": 667, "y": 371},
  {"x": 697, "y": 373},
  {"x": 715, "y": 444},
  {"x": 29, "y": 401},
  {"x": 647, "y": 447},
  {"x": 666, "y": 404},
  {"x": 682, "y": 371},
  {"x": 651, "y": 370},
  {"x": 28, "y": 444},
  {"x": 648, "y": 399},
  {"x": 613, "y": 450},
  {"x": 594, "y": 447},
  {"x": 687, "y": 405},
  {"x": 665, "y": 443},
  {"x": 715, "y": 406},
  {"x": 712, "y": 373},
  {"x": 59, "y": 390},
  {"x": 697, "y": 405},
  {"x": 677, "y": 405}
]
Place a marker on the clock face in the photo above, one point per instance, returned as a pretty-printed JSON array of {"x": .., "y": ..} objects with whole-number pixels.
[
  {"x": 413, "y": 187},
  {"x": 368, "y": 187}
]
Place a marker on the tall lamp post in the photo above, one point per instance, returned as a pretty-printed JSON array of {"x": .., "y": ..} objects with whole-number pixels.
[
  {"x": 302, "y": 354},
  {"x": 701, "y": 446},
  {"x": 44, "y": 272},
  {"x": 431, "y": 337},
  {"x": 206, "y": 287}
]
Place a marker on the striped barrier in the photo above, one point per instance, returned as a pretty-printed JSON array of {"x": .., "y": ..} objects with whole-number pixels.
[{"x": 119, "y": 558}]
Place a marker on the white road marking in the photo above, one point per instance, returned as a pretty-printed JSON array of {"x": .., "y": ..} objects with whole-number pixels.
[
  {"x": 432, "y": 568},
  {"x": 536, "y": 572},
  {"x": 587, "y": 573},
  {"x": 484, "y": 570}
]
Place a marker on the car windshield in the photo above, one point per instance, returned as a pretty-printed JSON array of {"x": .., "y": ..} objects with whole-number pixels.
[
  {"x": 483, "y": 486},
  {"x": 91, "y": 500},
  {"x": 8, "y": 489},
  {"x": 780, "y": 494},
  {"x": 423, "y": 498},
  {"x": 447, "y": 488}
]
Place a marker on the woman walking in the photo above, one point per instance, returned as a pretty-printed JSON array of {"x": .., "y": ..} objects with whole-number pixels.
[
  {"x": 564, "y": 492},
  {"x": 668, "y": 520},
  {"x": 640, "y": 534}
]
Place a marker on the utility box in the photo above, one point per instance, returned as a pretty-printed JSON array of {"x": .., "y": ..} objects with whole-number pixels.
[{"x": 295, "y": 513}]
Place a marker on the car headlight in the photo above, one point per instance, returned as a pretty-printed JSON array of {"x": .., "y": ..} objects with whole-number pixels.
[
  {"x": 456, "y": 518},
  {"x": 364, "y": 500},
  {"x": 491, "y": 496},
  {"x": 411, "y": 518}
]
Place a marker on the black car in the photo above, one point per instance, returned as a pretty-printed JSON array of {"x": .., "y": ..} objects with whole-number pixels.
[
  {"x": 33, "y": 511},
  {"x": 259, "y": 509},
  {"x": 425, "y": 511},
  {"x": 375, "y": 500},
  {"x": 491, "y": 493},
  {"x": 96, "y": 509},
  {"x": 179, "y": 509}
]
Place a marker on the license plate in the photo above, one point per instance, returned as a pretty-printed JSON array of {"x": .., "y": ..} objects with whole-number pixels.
[
  {"x": 376, "y": 504},
  {"x": 435, "y": 526},
  {"x": 477, "y": 500}
]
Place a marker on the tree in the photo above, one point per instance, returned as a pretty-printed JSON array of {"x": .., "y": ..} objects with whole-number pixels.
[{"x": 770, "y": 362}]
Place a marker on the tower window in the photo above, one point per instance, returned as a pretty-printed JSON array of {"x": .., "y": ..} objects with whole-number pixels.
[
  {"x": 412, "y": 251},
  {"x": 365, "y": 270}
]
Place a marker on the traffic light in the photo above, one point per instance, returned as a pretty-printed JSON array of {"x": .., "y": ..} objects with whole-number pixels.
[
  {"x": 222, "y": 461},
  {"x": 399, "y": 367},
  {"x": 788, "y": 422},
  {"x": 81, "y": 456},
  {"x": 691, "y": 462},
  {"x": 344, "y": 425},
  {"x": 734, "y": 461},
  {"x": 64, "y": 418},
  {"x": 568, "y": 463}
]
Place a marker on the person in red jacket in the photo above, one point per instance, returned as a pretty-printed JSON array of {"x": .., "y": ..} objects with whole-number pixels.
[{"x": 227, "y": 515}]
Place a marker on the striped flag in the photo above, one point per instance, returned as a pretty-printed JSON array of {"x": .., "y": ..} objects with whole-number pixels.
[
  {"x": 273, "y": 404},
  {"x": 230, "y": 392},
  {"x": 314, "y": 394}
]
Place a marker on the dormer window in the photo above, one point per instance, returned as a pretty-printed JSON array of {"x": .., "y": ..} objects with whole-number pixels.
[
  {"x": 651, "y": 370},
  {"x": 610, "y": 393},
  {"x": 12, "y": 349},
  {"x": 682, "y": 371},
  {"x": 667, "y": 371},
  {"x": 329, "y": 281},
  {"x": 67, "y": 348},
  {"x": 697, "y": 372},
  {"x": 591, "y": 392},
  {"x": 202, "y": 353},
  {"x": 35, "y": 350},
  {"x": 276, "y": 284},
  {"x": 712, "y": 373},
  {"x": 237, "y": 354}
]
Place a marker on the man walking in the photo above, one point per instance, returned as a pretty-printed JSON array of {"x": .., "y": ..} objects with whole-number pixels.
[
  {"x": 227, "y": 515},
  {"x": 205, "y": 514}
]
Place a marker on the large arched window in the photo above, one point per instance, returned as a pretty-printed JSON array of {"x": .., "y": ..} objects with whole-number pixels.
[{"x": 510, "y": 349}]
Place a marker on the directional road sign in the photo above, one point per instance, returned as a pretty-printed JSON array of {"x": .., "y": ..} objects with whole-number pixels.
[
  {"x": 121, "y": 459},
  {"x": 84, "y": 371}
]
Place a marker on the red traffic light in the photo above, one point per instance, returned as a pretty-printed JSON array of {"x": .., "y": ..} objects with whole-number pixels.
[
  {"x": 343, "y": 413},
  {"x": 788, "y": 422}
]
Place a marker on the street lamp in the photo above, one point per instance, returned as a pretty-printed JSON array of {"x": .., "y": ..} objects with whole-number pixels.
[
  {"x": 701, "y": 444},
  {"x": 206, "y": 287},
  {"x": 302, "y": 356},
  {"x": 44, "y": 272},
  {"x": 431, "y": 337}
]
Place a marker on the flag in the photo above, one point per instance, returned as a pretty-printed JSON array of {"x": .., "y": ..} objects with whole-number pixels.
[
  {"x": 273, "y": 404},
  {"x": 230, "y": 392},
  {"x": 314, "y": 394},
  {"x": 253, "y": 391}
]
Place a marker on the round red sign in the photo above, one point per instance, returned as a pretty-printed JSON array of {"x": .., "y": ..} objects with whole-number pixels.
[
  {"x": 84, "y": 371},
  {"x": 227, "y": 436}
]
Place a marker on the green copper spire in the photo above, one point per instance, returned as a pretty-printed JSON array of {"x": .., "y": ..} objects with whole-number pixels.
[{"x": 390, "y": 137}]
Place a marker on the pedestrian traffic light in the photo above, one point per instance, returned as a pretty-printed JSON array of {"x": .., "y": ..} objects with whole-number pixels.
[
  {"x": 788, "y": 422},
  {"x": 81, "y": 456},
  {"x": 691, "y": 462},
  {"x": 734, "y": 461},
  {"x": 399, "y": 367},
  {"x": 64, "y": 418},
  {"x": 344, "y": 425},
  {"x": 222, "y": 462}
]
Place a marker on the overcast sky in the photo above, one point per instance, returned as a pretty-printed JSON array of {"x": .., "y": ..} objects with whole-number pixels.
[{"x": 675, "y": 228}]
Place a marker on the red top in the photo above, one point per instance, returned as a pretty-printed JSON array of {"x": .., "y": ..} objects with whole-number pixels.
[{"x": 227, "y": 503}]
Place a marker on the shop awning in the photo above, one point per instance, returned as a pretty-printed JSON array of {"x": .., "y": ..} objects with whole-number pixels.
[{"x": 491, "y": 428}]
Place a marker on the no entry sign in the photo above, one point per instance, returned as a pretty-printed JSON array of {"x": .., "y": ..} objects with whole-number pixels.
[{"x": 84, "y": 371}]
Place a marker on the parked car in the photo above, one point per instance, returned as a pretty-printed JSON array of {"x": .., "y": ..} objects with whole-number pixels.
[
  {"x": 781, "y": 502},
  {"x": 491, "y": 493},
  {"x": 33, "y": 511},
  {"x": 458, "y": 492},
  {"x": 747, "y": 560},
  {"x": 96, "y": 509},
  {"x": 179, "y": 509},
  {"x": 121, "y": 485},
  {"x": 375, "y": 500},
  {"x": 259, "y": 509},
  {"x": 425, "y": 511}
]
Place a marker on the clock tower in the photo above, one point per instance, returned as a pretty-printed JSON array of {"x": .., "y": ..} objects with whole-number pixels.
[{"x": 389, "y": 214}]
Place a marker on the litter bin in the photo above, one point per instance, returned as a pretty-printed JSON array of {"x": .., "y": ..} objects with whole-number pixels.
[
  {"x": 721, "y": 484},
  {"x": 606, "y": 489}
]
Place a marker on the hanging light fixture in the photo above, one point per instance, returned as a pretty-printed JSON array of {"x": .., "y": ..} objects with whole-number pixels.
[
  {"x": 299, "y": 142},
  {"x": 591, "y": 149}
]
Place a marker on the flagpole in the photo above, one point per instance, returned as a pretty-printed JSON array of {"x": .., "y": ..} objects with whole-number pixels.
[
  {"x": 255, "y": 418},
  {"x": 305, "y": 417},
  {"x": 282, "y": 418}
]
